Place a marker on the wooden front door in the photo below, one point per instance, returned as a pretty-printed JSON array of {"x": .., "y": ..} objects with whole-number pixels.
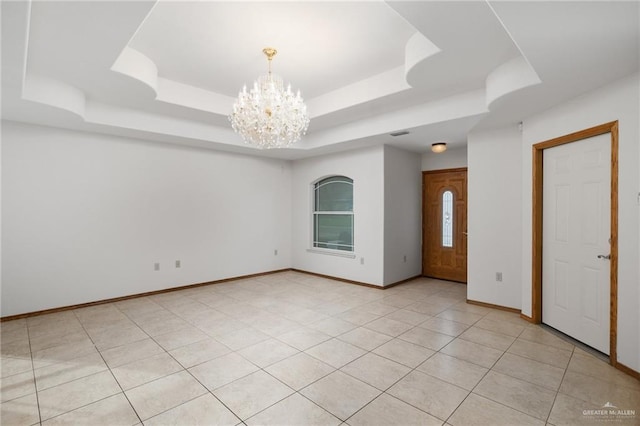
[{"x": 444, "y": 224}]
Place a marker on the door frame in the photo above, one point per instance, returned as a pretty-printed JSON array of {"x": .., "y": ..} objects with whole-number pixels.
[
  {"x": 536, "y": 279},
  {"x": 424, "y": 209}
]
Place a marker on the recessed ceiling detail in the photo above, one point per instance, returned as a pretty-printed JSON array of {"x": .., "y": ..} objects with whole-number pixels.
[{"x": 169, "y": 71}]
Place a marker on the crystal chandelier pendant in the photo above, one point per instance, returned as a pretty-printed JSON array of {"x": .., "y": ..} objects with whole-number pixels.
[{"x": 268, "y": 116}]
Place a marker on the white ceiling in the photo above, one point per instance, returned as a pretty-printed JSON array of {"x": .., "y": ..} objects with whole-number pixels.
[
  {"x": 169, "y": 71},
  {"x": 320, "y": 45}
]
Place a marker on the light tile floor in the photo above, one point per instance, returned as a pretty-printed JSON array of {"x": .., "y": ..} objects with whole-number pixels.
[{"x": 295, "y": 349}]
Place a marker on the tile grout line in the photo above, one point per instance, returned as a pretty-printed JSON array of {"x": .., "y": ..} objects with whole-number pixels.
[
  {"x": 168, "y": 307},
  {"x": 208, "y": 392},
  {"x": 411, "y": 369},
  {"x": 195, "y": 378},
  {"x": 370, "y": 351},
  {"x": 296, "y": 392},
  {"x": 483, "y": 376},
  {"x": 149, "y": 337},
  {"x": 33, "y": 372},
  {"x": 353, "y": 360},
  {"x": 108, "y": 368},
  {"x": 498, "y": 402},
  {"x": 288, "y": 357},
  {"x": 437, "y": 352},
  {"x": 154, "y": 339},
  {"x": 83, "y": 377},
  {"x": 239, "y": 378},
  {"x": 332, "y": 372},
  {"x": 183, "y": 369},
  {"x": 559, "y": 386}
]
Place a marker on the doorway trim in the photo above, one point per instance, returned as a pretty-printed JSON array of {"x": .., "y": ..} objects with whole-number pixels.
[{"x": 536, "y": 278}]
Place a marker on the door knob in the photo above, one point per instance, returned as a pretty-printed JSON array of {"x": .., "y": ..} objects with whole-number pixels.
[{"x": 604, "y": 256}]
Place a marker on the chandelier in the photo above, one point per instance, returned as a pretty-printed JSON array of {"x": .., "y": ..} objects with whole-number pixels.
[{"x": 268, "y": 116}]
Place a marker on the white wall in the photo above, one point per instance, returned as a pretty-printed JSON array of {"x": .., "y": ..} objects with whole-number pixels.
[
  {"x": 500, "y": 179},
  {"x": 402, "y": 215},
  {"x": 86, "y": 216},
  {"x": 617, "y": 101},
  {"x": 494, "y": 217},
  {"x": 450, "y": 159},
  {"x": 365, "y": 167}
]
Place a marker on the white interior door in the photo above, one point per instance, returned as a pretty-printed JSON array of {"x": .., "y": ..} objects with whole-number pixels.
[{"x": 575, "y": 238}]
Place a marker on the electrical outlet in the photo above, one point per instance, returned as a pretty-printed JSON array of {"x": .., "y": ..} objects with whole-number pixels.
[
  {"x": 362, "y": 260},
  {"x": 275, "y": 252},
  {"x": 404, "y": 259},
  {"x": 156, "y": 266},
  {"x": 499, "y": 276},
  {"x": 178, "y": 264}
]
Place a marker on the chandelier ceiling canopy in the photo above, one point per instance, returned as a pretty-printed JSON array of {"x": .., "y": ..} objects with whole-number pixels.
[{"x": 269, "y": 116}]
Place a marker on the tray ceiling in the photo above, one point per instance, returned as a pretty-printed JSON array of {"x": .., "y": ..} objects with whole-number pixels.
[{"x": 169, "y": 71}]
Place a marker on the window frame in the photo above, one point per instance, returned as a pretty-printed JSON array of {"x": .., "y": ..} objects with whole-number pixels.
[{"x": 315, "y": 214}]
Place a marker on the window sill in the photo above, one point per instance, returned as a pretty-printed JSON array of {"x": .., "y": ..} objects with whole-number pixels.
[{"x": 348, "y": 254}]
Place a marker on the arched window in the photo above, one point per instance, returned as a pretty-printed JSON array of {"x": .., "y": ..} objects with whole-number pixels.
[
  {"x": 333, "y": 213},
  {"x": 447, "y": 219}
]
